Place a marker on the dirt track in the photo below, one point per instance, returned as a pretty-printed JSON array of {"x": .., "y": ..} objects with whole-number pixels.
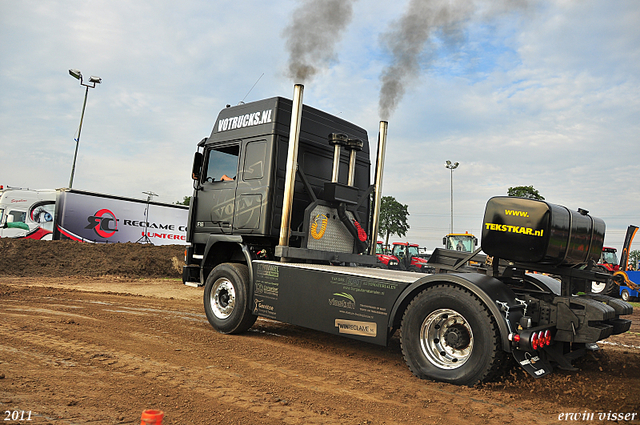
[{"x": 76, "y": 350}]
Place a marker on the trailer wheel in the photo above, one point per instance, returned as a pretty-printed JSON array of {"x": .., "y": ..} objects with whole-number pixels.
[
  {"x": 449, "y": 335},
  {"x": 625, "y": 295},
  {"x": 226, "y": 299}
]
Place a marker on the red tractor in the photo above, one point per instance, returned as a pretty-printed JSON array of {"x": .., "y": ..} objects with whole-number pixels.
[
  {"x": 403, "y": 256},
  {"x": 609, "y": 259},
  {"x": 385, "y": 259},
  {"x": 408, "y": 258}
]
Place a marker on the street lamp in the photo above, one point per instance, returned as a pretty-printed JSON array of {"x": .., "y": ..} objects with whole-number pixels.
[
  {"x": 93, "y": 80},
  {"x": 451, "y": 166}
]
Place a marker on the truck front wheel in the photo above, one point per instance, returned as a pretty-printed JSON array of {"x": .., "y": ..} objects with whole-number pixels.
[
  {"x": 226, "y": 299},
  {"x": 449, "y": 335}
]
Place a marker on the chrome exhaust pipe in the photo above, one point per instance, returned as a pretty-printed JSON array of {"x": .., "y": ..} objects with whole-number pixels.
[
  {"x": 354, "y": 145},
  {"x": 292, "y": 164},
  {"x": 382, "y": 146},
  {"x": 337, "y": 140}
]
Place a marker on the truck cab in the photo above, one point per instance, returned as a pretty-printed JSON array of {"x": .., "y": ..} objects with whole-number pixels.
[
  {"x": 239, "y": 176},
  {"x": 27, "y": 213}
]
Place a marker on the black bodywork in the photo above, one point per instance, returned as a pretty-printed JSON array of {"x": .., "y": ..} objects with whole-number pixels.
[
  {"x": 235, "y": 217},
  {"x": 249, "y": 144}
]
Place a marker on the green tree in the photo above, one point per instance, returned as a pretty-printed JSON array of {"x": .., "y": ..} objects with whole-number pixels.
[
  {"x": 525, "y": 192},
  {"x": 634, "y": 257},
  {"x": 185, "y": 201},
  {"x": 393, "y": 218}
]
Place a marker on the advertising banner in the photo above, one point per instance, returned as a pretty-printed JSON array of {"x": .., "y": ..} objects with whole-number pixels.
[{"x": 92, "y": 217}]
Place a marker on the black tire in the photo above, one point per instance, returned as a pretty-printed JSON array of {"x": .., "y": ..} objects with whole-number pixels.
[
  {"x": 608, "y": 288},
  {"x": 625, "y": 295},
  {"x": 226, "y": 299},
  {"x": 449, "y": 335}
]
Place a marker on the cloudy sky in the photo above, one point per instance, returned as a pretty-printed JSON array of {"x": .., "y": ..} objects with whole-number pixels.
[{"x": 543, "y": 93}]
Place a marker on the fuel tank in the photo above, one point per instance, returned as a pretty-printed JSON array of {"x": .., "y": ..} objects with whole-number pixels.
[{"x": 532, "y": 231}]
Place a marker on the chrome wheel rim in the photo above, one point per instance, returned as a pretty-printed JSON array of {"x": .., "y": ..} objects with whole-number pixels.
[
  {"x": 446, "y": 339},
  {"x": 223, "y": 298}
]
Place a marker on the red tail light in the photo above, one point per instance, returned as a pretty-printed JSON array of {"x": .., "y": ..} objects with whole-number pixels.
[{"x": 532, "y": 339}]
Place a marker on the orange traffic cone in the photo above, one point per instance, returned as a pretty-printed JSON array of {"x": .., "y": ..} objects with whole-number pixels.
[{"x": 152, "y": 417}]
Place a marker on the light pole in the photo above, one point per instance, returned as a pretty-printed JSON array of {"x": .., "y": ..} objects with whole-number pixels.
[
  {"x": 93, "y": 80},
  {"x": 451, "y": 166},
  {"x": 145, "y": 236}
]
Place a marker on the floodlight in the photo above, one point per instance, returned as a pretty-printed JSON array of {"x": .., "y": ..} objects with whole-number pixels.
[{"x": 75, "y": 73}]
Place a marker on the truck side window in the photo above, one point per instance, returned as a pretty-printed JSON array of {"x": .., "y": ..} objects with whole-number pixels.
[
  {"x": 254, "y": 159},
  {"x": 222, "y": 163}
]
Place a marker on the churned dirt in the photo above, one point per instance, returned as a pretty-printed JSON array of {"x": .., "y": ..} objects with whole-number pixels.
[{"x": 95, "y": 334}]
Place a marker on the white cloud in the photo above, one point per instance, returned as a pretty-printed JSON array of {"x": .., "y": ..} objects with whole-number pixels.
[{"x": 546, "y": 96}]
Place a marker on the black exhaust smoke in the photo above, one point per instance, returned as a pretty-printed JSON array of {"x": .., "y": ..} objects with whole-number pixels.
[
  {"x": 316, "y": 27},
  {"x": 409, "y": 41}
]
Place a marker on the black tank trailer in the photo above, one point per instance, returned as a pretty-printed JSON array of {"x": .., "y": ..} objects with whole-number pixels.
[{"x": 282, "y": 225}]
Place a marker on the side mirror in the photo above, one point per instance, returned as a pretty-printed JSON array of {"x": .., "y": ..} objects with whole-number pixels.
[
  {"x": 197, "y": 166},
  {"x": 444, "y": 241}
]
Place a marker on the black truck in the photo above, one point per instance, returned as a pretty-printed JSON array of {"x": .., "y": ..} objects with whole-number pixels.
[{"x": 283, "y": 223}]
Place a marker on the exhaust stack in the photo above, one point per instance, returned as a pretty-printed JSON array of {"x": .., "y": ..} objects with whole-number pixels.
[
  {"x": 382, "y": 146},
  {"x": 354, "y": 145},
  {"x": 337, "y": 140},
  {"x": 292, "y": 164}
]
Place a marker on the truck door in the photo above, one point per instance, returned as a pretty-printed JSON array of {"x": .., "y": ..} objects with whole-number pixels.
[
  {"x": 252, "y": 188},
  {"x": 216, "y": 201}
]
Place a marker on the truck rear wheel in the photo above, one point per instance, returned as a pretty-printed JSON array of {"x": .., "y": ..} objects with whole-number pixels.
[
  {"x": 449, "y": 335},
  {"x": 226, "y": 299}
]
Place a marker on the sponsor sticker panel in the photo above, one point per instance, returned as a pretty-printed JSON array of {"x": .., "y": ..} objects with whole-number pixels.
[{"x": 337, "y": 303}]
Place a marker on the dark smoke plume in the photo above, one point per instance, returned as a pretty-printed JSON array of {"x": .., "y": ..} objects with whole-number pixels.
[
  {"x": 312, "y": 35},
  {"x": 410, "y": 45}
]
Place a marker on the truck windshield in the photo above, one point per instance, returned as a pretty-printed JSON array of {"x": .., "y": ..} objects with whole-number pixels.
[{"x": 18, "y": 216}]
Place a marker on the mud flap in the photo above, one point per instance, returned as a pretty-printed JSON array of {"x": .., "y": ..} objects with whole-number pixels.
[{"x": 535, "y": 363}]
